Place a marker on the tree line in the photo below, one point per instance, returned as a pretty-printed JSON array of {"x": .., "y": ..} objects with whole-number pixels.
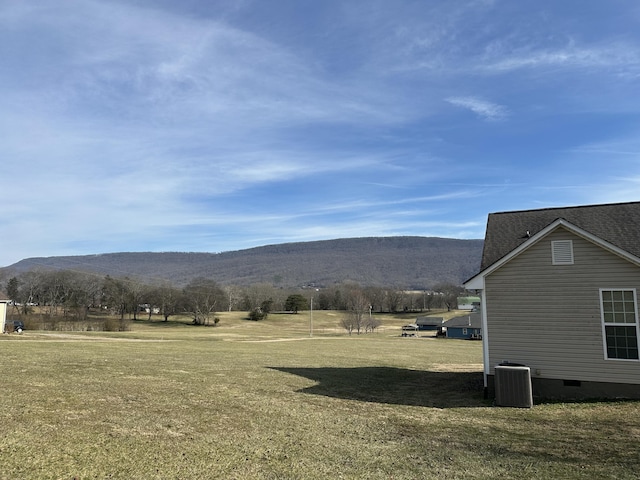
[{"x": 72, "y": 295}]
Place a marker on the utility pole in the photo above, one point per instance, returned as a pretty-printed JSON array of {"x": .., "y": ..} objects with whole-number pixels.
[{"x": 311, "y": 319}]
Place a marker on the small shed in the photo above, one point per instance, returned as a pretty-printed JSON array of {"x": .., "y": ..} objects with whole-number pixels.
[
  {"x": 429, "y": 323},
  {"x": 4, "y": 302},
  {"x": 466, "y": 326}
]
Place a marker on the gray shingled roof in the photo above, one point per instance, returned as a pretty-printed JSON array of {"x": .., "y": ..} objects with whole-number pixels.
[
  {"x": 463, "y": 321},
  {"x": 429, "y": 321},
  {"x": 617, "y": 223}
]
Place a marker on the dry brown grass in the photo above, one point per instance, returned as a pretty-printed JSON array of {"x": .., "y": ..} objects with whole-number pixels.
[{"x": 265, "y": 401}]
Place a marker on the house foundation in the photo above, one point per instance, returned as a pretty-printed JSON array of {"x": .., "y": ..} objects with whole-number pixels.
[{"x": 551, "y": 389}]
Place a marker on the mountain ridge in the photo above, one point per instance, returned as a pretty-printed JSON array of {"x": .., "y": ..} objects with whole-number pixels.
[{"x": 401, "y": 261}]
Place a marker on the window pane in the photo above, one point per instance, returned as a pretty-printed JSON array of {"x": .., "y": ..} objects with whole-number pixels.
[
  {"x": 618, "y": 306},
  {"x": 629, "y": 307},
  {"x": 622, "y": 342}
]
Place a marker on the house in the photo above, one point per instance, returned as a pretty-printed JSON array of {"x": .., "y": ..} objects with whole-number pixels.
[
  {"x": 468, "y": 303},
  {"x": 4, "y": 302},
  {"x": 466, "y": 326},
  {"x": 429, "y": 323},
  {"x": 559, "y": 294}
]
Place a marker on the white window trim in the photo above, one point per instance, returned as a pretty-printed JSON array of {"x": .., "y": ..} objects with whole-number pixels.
[
  {"x": 603, "y": 324},
  {"x": 562, "y": 252}
]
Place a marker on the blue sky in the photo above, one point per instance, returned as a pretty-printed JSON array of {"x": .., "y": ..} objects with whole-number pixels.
[{"x": 223, "y": 125}]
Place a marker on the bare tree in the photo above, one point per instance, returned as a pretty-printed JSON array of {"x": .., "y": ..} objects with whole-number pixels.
[
  {"x": 234, "y": 295},
  {"x": 255, "y": 294},
  {"x": 116, "y": 295},
  {"x": 29, "y": 289},
  {"x": 203, "y": 298},
  {"x": 449, "y": 294},
  {"x": 348, "y": 322},
  {"x": 376, "y": 296},
  {"x": 13, "y": 290},
  {"x": 64, "y": 290},
  {"x": 137, "y": 292},
  {"x": 394, "y": 299},
  {"x": 428, "y": 300},
  {"x": 81, "y": 292},
  {"x": 371, "y": 323},
  {"x": 358, "y": 306},
  {"x": 168, "y": 299}
]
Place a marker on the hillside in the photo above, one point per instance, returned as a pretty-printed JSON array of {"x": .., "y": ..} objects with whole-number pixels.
[{"x": 406, "y": 262}]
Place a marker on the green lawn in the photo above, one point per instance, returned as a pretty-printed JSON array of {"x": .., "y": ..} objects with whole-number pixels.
[{"x": 268, "y": 401}]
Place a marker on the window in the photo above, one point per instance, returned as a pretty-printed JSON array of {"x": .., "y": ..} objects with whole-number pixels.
[
  {"x": 619, "y": 323},
  {"x": 562, "y": 252}
]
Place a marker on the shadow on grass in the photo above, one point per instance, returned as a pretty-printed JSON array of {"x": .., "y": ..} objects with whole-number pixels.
[{"x": 395, "y": 386}]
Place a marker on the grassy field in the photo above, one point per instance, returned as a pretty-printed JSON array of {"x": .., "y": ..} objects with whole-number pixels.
[{"x": 266, "y": 400}]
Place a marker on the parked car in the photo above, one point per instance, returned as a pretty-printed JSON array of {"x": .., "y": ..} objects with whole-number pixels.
[{"x": 15, "y": 326}]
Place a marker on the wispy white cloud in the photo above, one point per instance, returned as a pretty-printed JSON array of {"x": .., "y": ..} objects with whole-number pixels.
[
  {"x": 482, "y": 108},
  {"x": 617, "y": 58}
]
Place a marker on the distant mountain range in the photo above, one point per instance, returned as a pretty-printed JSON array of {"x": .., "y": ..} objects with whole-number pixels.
[{"x": 403, "y": 262}]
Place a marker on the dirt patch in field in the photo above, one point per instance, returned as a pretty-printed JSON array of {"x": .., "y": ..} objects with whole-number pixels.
[{"x": 268, "y": 340}]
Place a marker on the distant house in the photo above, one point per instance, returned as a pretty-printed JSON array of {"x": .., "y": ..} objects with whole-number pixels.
[
  {"x": 4, "y": 302},
  {"x": 429, "y": 323},
  {"x": 468, "y": 303},
  {"x": 559, "y": 290},
  {"x": 466, "y": 326}
]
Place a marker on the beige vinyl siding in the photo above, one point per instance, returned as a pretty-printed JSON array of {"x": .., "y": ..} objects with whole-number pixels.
[{"x": 548, "y": 316}]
